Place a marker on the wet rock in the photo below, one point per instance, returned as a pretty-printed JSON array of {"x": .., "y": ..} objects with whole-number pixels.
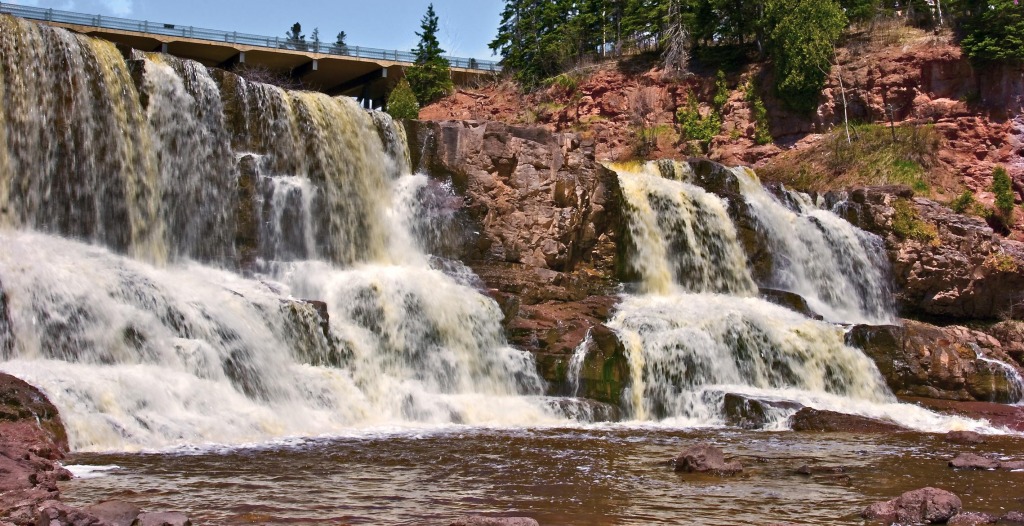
[
  {"x": 494, "y": 521},
  {"x": 1012, "y": 465},
  {"x": 115, "y": 512},
  {"x": 965, "y": 270},
  {"x": 790, "y": 300},
  {"x": 925, "y": 505},
  {"x": 973, "y": 461},
  {"x": 753, "y": 413},
  {"x": 705, "y": 458},
  {"x": 953, "y": 363},
  {"x": 585, "y": 410},
  {"x": 809, "y": 419},
  {"x": 55, "y": 513},
  {"x": 167, "y": 518},
  {"x": 809, "y": 470},
  {"x": 1014, "y": 517},
  {"x": 972, "y": 518},
  {"x": 965, "y": 437}
]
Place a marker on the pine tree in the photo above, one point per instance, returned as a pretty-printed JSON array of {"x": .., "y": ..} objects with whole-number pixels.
[
  {"x": 430, "y": 76},
  {"x": 295, "y": 38},
  {"x": 402, "y": 102},
  {"x": 315, "y": 37},
  {"x": 339, "y": 43}
]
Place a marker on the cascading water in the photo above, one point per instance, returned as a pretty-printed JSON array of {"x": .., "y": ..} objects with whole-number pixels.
[
  {"x": 839, "y": 269},
  {"x": 699, "y": 331},
  {"x": 148, "y": 338}
]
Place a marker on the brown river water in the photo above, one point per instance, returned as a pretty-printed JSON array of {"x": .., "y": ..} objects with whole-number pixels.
[{"x": 612, "y": 474}]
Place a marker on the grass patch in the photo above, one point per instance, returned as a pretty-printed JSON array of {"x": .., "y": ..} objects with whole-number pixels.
[{"x": 871, "y": 157}]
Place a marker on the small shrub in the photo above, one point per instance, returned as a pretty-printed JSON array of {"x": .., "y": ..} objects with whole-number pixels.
[
  {"x": 695, "y": 127},
  {"x": 402, "y": 102},
  {"x": 963, "y": 202},
  {"x": 908, "y": 225},
  {"x": 762, "y": 132},
  {"x": 721, "y": 92},
  {"x": 1003, "y": 190}
]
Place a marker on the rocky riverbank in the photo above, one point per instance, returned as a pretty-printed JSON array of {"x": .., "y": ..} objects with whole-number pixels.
[{"x": 33, "y": 442}]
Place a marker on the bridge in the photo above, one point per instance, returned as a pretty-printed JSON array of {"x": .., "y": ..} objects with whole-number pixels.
[{"x": 337, "y": 70}]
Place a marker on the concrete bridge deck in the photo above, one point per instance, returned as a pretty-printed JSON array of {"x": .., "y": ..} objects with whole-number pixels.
[{"x": 349, "y": 70}]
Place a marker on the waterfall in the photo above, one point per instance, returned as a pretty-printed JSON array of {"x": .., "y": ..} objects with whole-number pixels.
[
  {"x": 698, "y": 331},
  {"x": 841, "y": 270},
  {"x": 166, "y": 229},
  {"x": 579, "y": 356}
]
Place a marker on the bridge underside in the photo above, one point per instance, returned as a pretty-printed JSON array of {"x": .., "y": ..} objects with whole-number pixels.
[{"x": 367, "y": 79}]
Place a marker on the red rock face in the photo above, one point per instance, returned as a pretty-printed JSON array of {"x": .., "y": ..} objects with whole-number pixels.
[{"x": 925, "y": 80}]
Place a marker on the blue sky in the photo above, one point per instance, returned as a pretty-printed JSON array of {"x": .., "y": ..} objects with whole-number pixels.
[{"x": 466, "y": 26}]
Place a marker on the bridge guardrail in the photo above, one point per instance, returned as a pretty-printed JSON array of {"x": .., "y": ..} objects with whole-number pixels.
[{"x": 230, "y": 37}]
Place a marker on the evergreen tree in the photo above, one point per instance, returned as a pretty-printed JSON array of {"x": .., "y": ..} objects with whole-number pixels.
[
  {"x": 339, "y": 43},
  {"x": 402, "y": 102},
  {"x": 990, "y": 30},
  {"x": 430, "y": 76},
  {"x": 295, "y": 38},
  {"x": 315, "y": 37},
  {"x": 801, "y": 37}
]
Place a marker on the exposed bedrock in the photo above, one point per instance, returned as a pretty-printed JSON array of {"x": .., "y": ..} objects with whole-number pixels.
[
  {"x": 541, "y": 220},
  {"x": 953, "y": 363},
  {"x": 944, "y": 264}
]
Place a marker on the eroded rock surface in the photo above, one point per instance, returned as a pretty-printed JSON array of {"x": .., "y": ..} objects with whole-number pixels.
[
  {"x": 954, "y": 363},
  {"x": 705, "y": 458},
  {"x": 944, "y": 264}
]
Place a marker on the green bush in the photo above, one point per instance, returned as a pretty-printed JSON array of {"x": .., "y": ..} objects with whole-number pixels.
[
  {"x": 762, "y": 132},
  {"x": 990, "y": 30},
  {"x": 693, "y": 126},
  {"x": 801, "y": 35},
  {"x": 963, "y": 202},
  {"x": 721, "y": 92},
  {"x": 402, "y": 102},
  {"x": 1003, "y": 191}
]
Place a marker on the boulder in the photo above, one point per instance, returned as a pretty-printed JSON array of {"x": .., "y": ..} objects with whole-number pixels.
[
  {"x": 965, "y": 437},
  {"x": 752, "y": 413},
  {"x": 476, "y": 520},
  {"x": 705, "y": 458},
  {"x": 115, "y": 512},
  {"x": 925, "y": 505},
  {"x": 1014, "y": 517},
  {"x": 790, "y": 300},
  {"x": 810, "y": 419},
  {"x": 972, "y": 461}
]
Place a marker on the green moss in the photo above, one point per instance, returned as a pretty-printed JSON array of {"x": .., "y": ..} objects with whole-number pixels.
[{"x": 907, "y": 224}]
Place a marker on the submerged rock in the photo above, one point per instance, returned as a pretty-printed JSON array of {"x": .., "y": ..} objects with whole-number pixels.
[
  {"x": 925, "y": 505},
  {"x": 494, "y": 521},
  {"x": 965, "y": 437},
  {"x": 115, "y": 512},
  {"x": 790, "y": 300},
  {"x": 972, "y": 518},
  {"x": 972, "y": 461},
  {"x": 705, "y": 458},
  {"x": 810, "y": 419},
  {"x": 167, "y": 518}
]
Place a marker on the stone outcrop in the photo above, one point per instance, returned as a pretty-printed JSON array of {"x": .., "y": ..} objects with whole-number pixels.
[
  {"x": 823, "y": 421},
  {"x": 753, "y": 413},
  {"x": 925, "y": 505},
  {"x": 541, "y": 220},
  {"x": 944, "y": 264},
  {"x": 705, "y": 458},
  {"x": 32, "y": 444},
  {"x": 955, "y": 363}
]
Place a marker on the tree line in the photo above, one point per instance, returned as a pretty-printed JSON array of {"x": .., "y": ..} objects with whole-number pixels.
[{"x": 538, "y": 39}]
